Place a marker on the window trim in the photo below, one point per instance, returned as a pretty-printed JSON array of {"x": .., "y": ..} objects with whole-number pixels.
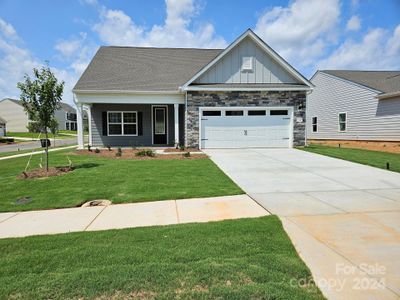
[
  {"x": 345, "y": 122},
  {"x": 122, "y": 123},
  {"x": 234, "y": 110},
  {"x": 316, "y": 124}
]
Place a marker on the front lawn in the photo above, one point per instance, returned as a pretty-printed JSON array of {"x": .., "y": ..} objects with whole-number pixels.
[
  {"x": 34, "y": 135},
  {"x": 239, "y": 259},
  {"x": 366, "y": 157},
  {"x": 113, "y": 179}
]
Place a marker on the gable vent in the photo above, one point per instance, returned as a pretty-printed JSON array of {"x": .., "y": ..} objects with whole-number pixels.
[{"x": 247, "y": 63}]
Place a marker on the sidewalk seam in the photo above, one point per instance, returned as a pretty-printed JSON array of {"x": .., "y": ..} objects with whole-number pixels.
[
  {"x": 177, "y": 212},
  {"x": 16, "y": 214},
  {"x": 94, "y": 219}
]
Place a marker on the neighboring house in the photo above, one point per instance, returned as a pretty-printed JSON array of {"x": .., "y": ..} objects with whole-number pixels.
[
  {"x": 2, "y": 127},
  {"x": 243, "y": 96},
  {"x": 354, "y": 106},
  {"x": 13, "y": 112}
]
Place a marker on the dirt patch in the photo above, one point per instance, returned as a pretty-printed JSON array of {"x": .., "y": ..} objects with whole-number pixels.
[
  {"x": 174, "y": 150},
  {"x": 131, "y": 154},
  {"x": 392, "y": 147},
  {"x": 42, "y": 173}
]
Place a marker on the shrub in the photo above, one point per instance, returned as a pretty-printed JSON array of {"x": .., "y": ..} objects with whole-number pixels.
[
  {"x": 145, "y": 152},
  {"x": 119, "y": 152},
  {"x": 89, "y": 148},
  {"x": 97, "y": 150},
  {"x": 109, "y": 147},
  {"x": 186, "y": 154},
  {"x": 182, "y": 147},
  {"x": 34, "y": 127}
]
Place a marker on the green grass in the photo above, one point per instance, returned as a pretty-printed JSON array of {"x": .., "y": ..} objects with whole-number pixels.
[
  {"x": 366, "y": 157},
  {"x": 33, "y": 135},
  {"x": 240, "y": 259},
  {"x": 117, "y": 180}
]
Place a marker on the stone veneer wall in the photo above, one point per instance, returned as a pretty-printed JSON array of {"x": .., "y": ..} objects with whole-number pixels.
[{"x": 232, "y": 99}]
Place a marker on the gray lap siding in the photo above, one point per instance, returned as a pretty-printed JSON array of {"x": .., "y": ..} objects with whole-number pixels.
[
  {"x": 231, "y": 99},
  {"x": 98, "y": 139}
]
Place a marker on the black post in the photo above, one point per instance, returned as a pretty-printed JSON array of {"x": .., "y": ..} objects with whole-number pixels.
[
  {"x": 47, "y": 150},
  {"x": 387, "y": 166}
]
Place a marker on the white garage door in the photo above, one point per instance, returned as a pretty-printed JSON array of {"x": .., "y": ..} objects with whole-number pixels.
[{"x": 245, "y": 127}]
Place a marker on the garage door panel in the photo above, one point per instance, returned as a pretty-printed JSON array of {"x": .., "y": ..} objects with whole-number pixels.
[{"x": 245, "y": 131}]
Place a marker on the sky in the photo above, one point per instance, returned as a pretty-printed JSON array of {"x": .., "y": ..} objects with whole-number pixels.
[{"x": 309, "y": 34}]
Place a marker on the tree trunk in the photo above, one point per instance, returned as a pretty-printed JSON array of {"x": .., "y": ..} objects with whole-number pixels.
[{"x": 47, "y": 150}]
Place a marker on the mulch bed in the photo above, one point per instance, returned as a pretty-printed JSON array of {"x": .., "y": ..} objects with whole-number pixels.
[
  {"x": 183, "y": 151},
  {"x": 131, "y": 154},
  {"x": 41, "y": 173}
]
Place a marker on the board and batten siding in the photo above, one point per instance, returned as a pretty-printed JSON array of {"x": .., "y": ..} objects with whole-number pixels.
[
  {"x": 98, "y": 139},
  {"x": 229, "y": 68},
  {"x": 368, "y": 118}
]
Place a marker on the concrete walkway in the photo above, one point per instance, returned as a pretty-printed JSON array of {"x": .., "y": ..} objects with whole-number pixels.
[
  {"x": 21, "y": 224},
  {"x": 342, "y": 217},
  {"x": 36, "y": 152}
]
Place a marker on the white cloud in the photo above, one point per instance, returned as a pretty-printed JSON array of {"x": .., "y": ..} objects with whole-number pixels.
[
  {"x": 117, "y": 28},
  {"x": 69, "y": 47},
  {"x": 378, "y": 50},
  {"x": 354, "y": 23},
  {"x": 16, "y": 61},
  {"x": 302, "y": 31}
]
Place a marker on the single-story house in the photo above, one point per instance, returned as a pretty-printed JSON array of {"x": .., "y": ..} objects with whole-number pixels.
[
  {"x": 17, "y": 119},
  {"x": 245, "y": 95},
  {"x": 2, "y": 127},
  {"x": 356, "y": 106}
]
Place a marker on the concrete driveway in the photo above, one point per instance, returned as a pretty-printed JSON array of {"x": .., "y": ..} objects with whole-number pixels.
[{"x": 343, "y": 218}]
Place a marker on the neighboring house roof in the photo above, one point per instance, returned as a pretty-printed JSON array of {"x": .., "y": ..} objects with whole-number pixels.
[
  {"x": 64, "y": 106},
  {"x": 2, "y": 121},
  {"x": 143, "y": 69},
  {"x": 386, "y": 82}
]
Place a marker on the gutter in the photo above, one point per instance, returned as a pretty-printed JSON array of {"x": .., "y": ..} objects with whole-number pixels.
[{"x": 388, "y": 95}]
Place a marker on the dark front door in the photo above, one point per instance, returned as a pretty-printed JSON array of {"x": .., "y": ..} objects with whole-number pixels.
[{"x": 160, "y": 125}]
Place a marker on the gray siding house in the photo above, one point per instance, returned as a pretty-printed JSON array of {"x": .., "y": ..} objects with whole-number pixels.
[
  {"x": 243, "y": 96},
  {"x": 354, "y": 106},
  {"x": 3, "y": 124},
  {"x": 13, "y": 112}
]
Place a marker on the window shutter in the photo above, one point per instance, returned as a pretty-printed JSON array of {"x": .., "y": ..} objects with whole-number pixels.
[
  {"x": 140, "y": 123},
  {"x": 104, "y": 119}
]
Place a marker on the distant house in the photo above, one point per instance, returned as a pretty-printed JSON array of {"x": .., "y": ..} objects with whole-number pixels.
[
  {"x": 2, "y": 127},
  {"x": 354, "y": 106},
  {"x": 13, "y": 113}
]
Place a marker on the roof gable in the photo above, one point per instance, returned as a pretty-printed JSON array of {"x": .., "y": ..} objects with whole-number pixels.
[{"x": 268, "y": 66}]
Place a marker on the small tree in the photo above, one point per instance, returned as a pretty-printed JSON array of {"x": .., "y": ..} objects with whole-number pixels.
[{"x": 41, "y": 98}]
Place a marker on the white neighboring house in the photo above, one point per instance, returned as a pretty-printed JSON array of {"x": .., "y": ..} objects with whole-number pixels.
[
  {"x": 13, "y": 113},
  {"x": 354, "y": 106},
  {"x": 2, "y": 127}
]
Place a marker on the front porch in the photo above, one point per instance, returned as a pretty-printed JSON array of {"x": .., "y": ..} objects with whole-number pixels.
[{"x": 132, "y": 125}]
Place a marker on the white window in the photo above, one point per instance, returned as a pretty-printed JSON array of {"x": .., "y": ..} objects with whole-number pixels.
[
  {"x": 247, "y": 63},
  {"x": 122, "y": 123},
  {"x": 342, "y": 121},
  {"x": 314, "y": 124}
]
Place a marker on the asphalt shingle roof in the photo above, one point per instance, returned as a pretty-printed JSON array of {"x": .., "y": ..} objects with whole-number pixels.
[
  {"x": 384, "y": 81},
  {"x": 143, "y": 69}
]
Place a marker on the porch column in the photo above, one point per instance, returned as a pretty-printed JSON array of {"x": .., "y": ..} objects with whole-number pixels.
[
  {"x": 176, "y": 117},
  {"x": 89, "y": 116},
  {"x": 79, "y": 121}
]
